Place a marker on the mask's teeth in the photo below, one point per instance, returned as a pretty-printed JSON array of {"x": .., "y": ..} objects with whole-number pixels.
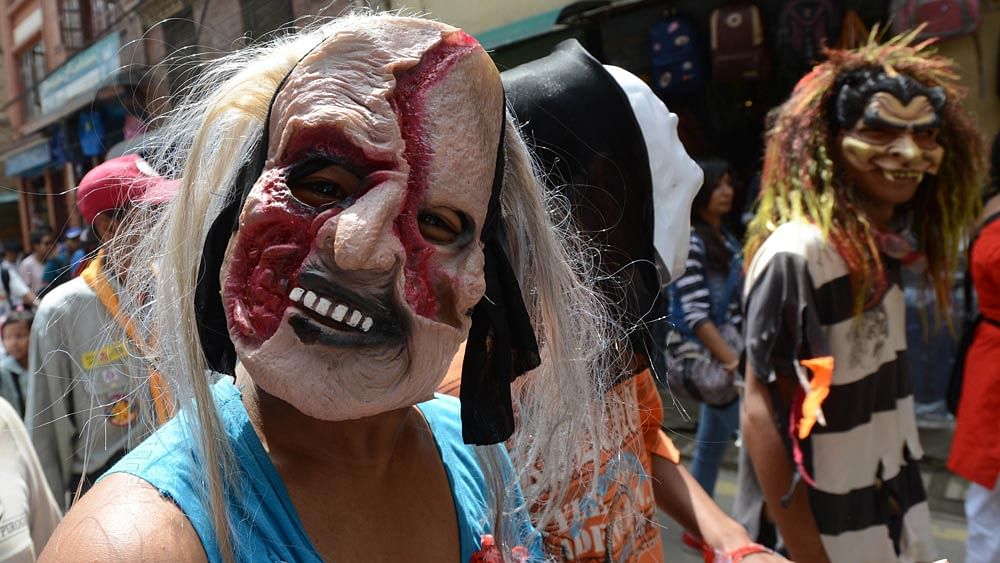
[
  {"x": 366, "y": 324},
  {"x": 355, "y": 318},
  {"x": 339, "y": 312},
  {"x": 310, "y": 299},
  {"x": 296, "y": 294},
  {"x": 323, "y": 306}
]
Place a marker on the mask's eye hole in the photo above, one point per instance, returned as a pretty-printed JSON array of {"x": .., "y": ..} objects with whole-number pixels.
[
  {"x": 926, "y": 137},
  {"x": 329, "y": 185},
  {"x": 444, "y": 226},
  {"x": 877, "y": 136}
]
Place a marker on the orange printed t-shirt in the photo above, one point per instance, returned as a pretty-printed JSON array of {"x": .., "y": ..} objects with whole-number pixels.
[{"x": 587, "y": 528}]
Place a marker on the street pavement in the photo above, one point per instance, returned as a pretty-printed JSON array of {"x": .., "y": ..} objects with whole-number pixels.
[{"x": 945, "y": 491}]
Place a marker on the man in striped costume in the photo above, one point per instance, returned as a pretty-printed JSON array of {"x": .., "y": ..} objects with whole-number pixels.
[{"x": 871, "y": 166}]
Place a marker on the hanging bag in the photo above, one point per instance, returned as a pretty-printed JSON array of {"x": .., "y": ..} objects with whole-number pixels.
[
  {"x": 943, "y": 18},
  {"x": 738, "y": 49},
  {"x": 805, "y": 27},
  {"x": 692, "y": 370},
  {"x": 853, "y": 32},
  {"x": 675, "y": 56}
]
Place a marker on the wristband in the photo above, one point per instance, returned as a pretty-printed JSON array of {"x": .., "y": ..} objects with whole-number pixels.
[
  {"x": 737, "y": 555},
  {"x": 734, "y": 556}
]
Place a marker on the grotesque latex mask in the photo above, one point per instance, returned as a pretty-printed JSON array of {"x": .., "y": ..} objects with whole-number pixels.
[
  {"x": 888, "y": 139},
  {"x": 348, "y": 283}
]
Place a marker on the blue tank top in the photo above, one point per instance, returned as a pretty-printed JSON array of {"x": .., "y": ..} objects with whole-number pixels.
[{"x": 265, "y": 524}]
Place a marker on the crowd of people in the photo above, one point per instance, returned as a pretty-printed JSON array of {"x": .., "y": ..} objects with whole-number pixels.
[{"x": 361, "y": 285}]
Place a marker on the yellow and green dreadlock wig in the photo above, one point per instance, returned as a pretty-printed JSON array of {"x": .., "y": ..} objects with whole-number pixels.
[{"x": 802, "y": 181}]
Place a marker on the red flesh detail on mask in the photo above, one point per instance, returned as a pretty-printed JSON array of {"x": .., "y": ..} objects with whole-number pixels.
[
  {"x": 408, "y": 100},
  {"x": 269, "y": 248},
  {"x": 332, "y": 142}
]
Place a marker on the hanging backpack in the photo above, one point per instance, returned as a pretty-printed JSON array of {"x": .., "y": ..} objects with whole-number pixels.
[
  {"x": 853, "y": 32},
  {"x": 675, "y": 56},
  {"x": 738, "y": 48},
  {"x": 943, "y": 18},
  {"x": 806, "y": 26}
]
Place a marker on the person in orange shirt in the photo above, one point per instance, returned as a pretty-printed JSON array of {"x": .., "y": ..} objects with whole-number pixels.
[{"x": 635, "y": 208}]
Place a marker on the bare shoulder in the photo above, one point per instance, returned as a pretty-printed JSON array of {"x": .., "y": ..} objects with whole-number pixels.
[
  {"x": 124, "y": 518},
  {"x": 992, "y": 206}
]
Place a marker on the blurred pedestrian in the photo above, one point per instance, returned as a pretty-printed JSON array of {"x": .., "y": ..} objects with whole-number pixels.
[
  {"x": 13, "y": 291},
  {"x": 707, "y": 313},
  {"x": 86, "y": 402},
  {"x": 15, "y": 330},
  {"x": 975, "y": 447},
  {"x": 75, "y": 251},
  {"x": 857, "y": 184},
  {"x": 32, "y": 266},
  {"x": 11, "y": 253},
  {"x": 29, "y": 512},
  {"x": 56, "y": 269}
]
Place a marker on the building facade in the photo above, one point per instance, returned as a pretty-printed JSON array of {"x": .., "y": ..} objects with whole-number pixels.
[{"x": 84, "y": 79}]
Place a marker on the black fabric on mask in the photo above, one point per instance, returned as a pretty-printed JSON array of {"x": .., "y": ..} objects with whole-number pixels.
[
  {"x": 583, "y": 130},
  {"x": 213, "y": 332},
  {"x": 501, "y": 344}
]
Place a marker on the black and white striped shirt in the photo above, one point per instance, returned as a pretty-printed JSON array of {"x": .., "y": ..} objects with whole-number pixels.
[
  {"x": 869, "y": 501},
  {"x": 693, "y": 287}
]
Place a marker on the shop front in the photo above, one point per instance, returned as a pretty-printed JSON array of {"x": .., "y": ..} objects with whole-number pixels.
[{"x": 87, "y": 106}]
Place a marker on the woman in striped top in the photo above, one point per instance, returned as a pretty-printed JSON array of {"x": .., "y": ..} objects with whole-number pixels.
[{"x": 706, "y": 310}]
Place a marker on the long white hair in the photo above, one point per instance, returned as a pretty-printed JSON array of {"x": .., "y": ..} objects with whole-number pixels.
[{"x": 205, "y": 140}]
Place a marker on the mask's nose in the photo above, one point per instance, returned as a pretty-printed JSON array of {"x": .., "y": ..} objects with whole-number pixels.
[
  {"x": 363, "y": 237},
  {"x": 905, "y": 149}
]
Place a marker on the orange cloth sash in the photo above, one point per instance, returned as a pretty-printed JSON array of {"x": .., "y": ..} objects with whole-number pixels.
[
  {"x": 819, "y": 389},
  {"x": 94, "y": 276}
]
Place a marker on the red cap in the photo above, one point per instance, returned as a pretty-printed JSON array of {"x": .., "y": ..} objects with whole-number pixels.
[{"x": 119, "y": 182}]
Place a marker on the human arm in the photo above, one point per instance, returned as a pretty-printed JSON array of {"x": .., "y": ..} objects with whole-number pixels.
[
  {"x": 124, "y": 519},
  {"x": 20, "y": 293},
  {"x": 48, "y": 417},
  {"x": 45, "y": 513},
  {"x": 763, "y": 442},
  {"x": 712, "y": 339},
  {"x": 675, "y": 490},
  {"x": 29, "y": 504},
  {"x": 24, "y": 272},
  {"x": 682, "y": 498}
]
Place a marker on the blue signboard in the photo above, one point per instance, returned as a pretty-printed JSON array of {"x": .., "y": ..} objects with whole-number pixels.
[
  {"x": 28, "y": 159},
  {"x": 87, "y": 71}
]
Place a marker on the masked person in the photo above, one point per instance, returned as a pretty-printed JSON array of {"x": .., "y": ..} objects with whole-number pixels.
[
  {"x": 871, "y": 165},
  {"x": 354, "y": 204},
  {"x": 85, "y": 403},
  {"x": 630, "y": 184}
]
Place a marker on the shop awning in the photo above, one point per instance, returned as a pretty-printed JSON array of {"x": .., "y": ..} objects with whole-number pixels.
[
  {"x": 31, "y": 153},
  {"x": 519, "y": 30},
  {"x": 8, "y": 194}
]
